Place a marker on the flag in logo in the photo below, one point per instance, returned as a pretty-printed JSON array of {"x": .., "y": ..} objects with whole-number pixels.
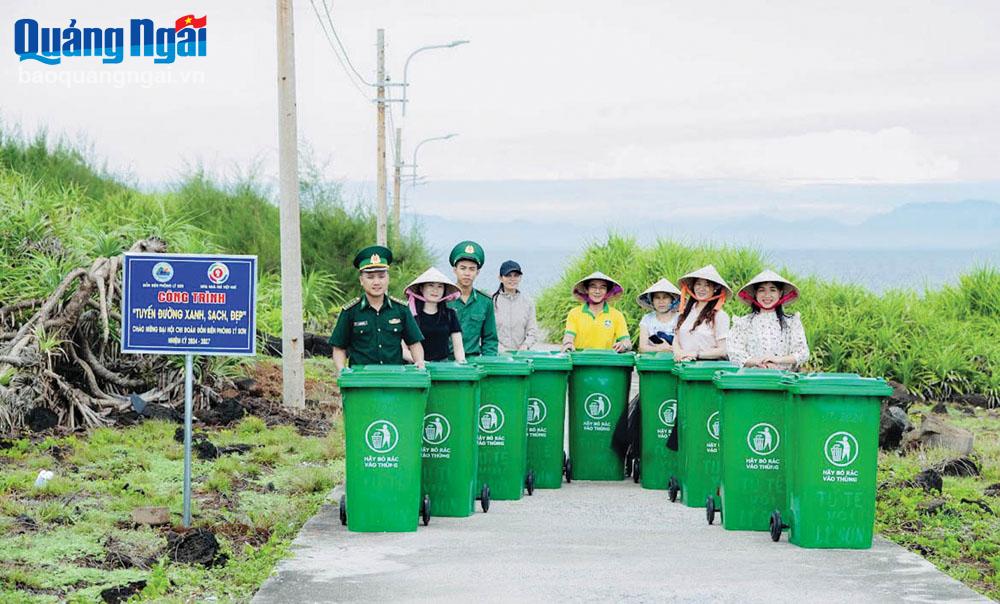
[{"x": 190, "y": 21}]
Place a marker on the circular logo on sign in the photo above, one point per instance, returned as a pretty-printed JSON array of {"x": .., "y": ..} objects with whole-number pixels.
[
  {"x": 436, "y": 429},
  {"x": 763, "y": 439},
  {"x": 490, "y": 419},
  {"x": 597, "y": 405},
  {"x": 536, "y": 411},
  {"x": 163, "y": 272},
  {"x": 668, "y": 412},
  {"x": 841, "y": 449},
  {"x": 713, "y": 425},
  {"x": 381, "y": 436},
  {"x": 218, "y": 273}
]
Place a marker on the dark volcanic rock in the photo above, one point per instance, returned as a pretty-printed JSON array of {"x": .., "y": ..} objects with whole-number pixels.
[
  {"x": 929, "y": 480},
  {"x": 115, "y": 595},
  {"x": 155, "y": 411},
  {"x": 41, "y": 418},
  {"x": 893, "y": 425},
  {"x": 198, "y": 546},
  {"x": 963, "y": 466},
  {"x": 205, "y": 449}
]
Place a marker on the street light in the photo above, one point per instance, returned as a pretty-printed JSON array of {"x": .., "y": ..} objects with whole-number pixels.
[
  {"x": 420, "y": 144},
  {"x": 406, "y": 66}
]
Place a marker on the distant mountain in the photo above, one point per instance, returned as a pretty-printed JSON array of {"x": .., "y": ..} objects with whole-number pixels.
[{"x": 971, "y": 224}]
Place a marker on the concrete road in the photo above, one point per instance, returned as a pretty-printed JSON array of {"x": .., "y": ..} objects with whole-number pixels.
[{"x": 592, "y": 542}]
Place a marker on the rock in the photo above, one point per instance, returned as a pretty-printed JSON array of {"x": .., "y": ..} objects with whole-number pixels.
[
  {"x": 237, "y": 449},
  {"x": 116, "y": 595},
  {"x": 155, "y": 411},
  {"x": 962, "y": 466},
  {"x": 197, "y": 546},
  {"x": 151, "y": 515},
  {"x": 940, "y": 408},
  {"x": 901, "y": 397},
  {"x": 41, "y": 418},
  {"x": 246, "y": 384},
  {"x": 893, "y": 425},
  {"x": 993, "y": 490},
  {"x": 204, "y": 449},
  {"x": 24, "y": 524},
  {"x": 195, "y": 436},
  {"x": 931, "y": 506},
  {"x": 929, "y": 480},
  {"x": 317, "y": 345},
  {"x": 226, "y": 412},
  {"x": 974, "y": 400},
  {"x": 981, "y": 504},
  {"x": 936, "y": 432}
]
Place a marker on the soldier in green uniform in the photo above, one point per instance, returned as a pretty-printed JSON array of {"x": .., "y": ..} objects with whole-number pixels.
[
  {"x": 474, "y": 308},
  {"x": 370, "y": 328}
]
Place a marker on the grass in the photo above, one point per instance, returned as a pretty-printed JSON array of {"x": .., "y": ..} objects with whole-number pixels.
[
  {"x": 58, "y": 211},
  {"x": 255, "y": 504},
  {"x": 961, "y": 538},
  {"x": 941, "y": 343}
]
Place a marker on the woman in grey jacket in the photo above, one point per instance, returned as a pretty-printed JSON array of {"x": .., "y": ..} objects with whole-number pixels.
[{"x": 517, "y": 328}]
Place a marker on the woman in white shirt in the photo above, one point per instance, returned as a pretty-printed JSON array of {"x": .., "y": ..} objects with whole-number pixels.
[
  {"x": 656, "y": 328},
  {"x": 702, "y": 327},
  {"x": 768, "y": 337}
]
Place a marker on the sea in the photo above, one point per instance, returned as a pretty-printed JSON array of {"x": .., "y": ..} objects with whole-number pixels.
[{"x": 877, "y": 270}]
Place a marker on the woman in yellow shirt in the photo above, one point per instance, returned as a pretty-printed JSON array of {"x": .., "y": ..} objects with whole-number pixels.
[{"x": 595, "y": 324}]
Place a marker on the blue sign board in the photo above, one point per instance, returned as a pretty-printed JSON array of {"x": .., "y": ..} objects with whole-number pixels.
[{"x": 189, "y": 304}]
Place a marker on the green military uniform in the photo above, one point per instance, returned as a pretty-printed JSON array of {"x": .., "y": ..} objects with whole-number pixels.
[
  {"x": 372, "y": 337},
  {"x": 479, "y": 324},
  {"x": 475, "y": 315}
]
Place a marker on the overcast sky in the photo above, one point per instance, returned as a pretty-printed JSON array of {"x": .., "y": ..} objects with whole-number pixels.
[{"x": 778, "y": 94}]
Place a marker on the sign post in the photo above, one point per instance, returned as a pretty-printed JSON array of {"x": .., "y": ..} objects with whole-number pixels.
[{"x": 189, "y": 304}]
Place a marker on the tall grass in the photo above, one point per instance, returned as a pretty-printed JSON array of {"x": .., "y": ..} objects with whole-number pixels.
[
  {"x": 58, "y": 211},
  {"x": 940, "y": 343}
]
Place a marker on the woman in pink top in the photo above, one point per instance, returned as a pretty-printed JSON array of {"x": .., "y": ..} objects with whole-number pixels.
[{"x": 702, "y": 327}]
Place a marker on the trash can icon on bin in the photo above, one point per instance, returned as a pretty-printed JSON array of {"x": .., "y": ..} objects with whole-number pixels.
[{"x": 488, "y": 421}]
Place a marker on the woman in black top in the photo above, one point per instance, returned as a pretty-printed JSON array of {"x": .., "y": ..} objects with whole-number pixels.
[{"x": 427, "y": 295}]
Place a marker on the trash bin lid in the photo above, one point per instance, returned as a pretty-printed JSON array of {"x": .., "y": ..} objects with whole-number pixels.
[
  {"x": 502, "y": 365},
  {"x": 749, "y": 378},
  {"x": 606, "y": 358},
  {"x": 451, "y": 371},
  {"x": 702, "y": 371},
  {"x": 542, "y": 360},
  {"x": 837, "y": 384},
  {"x": 384, "y": 376},
  {"x": 654, "y": 361}
]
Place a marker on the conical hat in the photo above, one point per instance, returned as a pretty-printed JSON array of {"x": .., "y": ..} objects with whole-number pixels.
[
  {"x": 768, "y": 276},
  {"x": 707, "y": 273},
  {"x": 645, "y": 299},
  {"x": 580, "y": 288},
  {"x": 432, "y": 275}
]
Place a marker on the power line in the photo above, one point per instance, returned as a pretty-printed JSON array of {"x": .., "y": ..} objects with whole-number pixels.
[
  {"x": 329, "y": 41},
  {"x": 347, "y": 57}
]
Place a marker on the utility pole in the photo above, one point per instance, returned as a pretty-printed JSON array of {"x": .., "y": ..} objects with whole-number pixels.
[
  {"x": 380, "y": 235},
  {"x": 397, "y": 201},
  {"x": 292, "y": 356}
]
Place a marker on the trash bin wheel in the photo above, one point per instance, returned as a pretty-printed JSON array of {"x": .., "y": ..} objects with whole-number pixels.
[
  {"x": 425, "y": 510},
  {"x": 775, "y": 529},
  {"x": 529, "y": 482},
  {"x": 569, "y": 470},
  {"x": 635, "y": 470},
  {"x": 672, "y": 489},
  {"x": 484, "y": 498},
  {"x": 343, "y": 510},
  {"x": 710, "y": 509}
]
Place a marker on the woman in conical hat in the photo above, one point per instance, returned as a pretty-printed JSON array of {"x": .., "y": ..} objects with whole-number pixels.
[
  {"x": 702, "y": 327},
  {"x": 595, "y": 324},
  {"x": 768, "y": 337},
  {"x": 656, "y": 328},
  {"x": 427, "y": 295}
]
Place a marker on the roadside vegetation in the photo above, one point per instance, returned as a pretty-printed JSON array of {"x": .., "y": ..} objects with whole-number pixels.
[{"x": 942, "y": 344}]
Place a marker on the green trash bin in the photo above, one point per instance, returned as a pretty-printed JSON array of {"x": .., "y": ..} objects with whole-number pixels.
[
  {"x": 698, "y": 428},
  {"x": 450, "y": 439},
  {"x": 503, "y": 427},
  {"x": 383, "y": 414},
  {"x": 754, "y": 447},
  {"x": 546, "y": 415},
  {"x": 833, "y": 422},
  {"x": 658, "y": 409},
  {"x": 598, "y": 393}
]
